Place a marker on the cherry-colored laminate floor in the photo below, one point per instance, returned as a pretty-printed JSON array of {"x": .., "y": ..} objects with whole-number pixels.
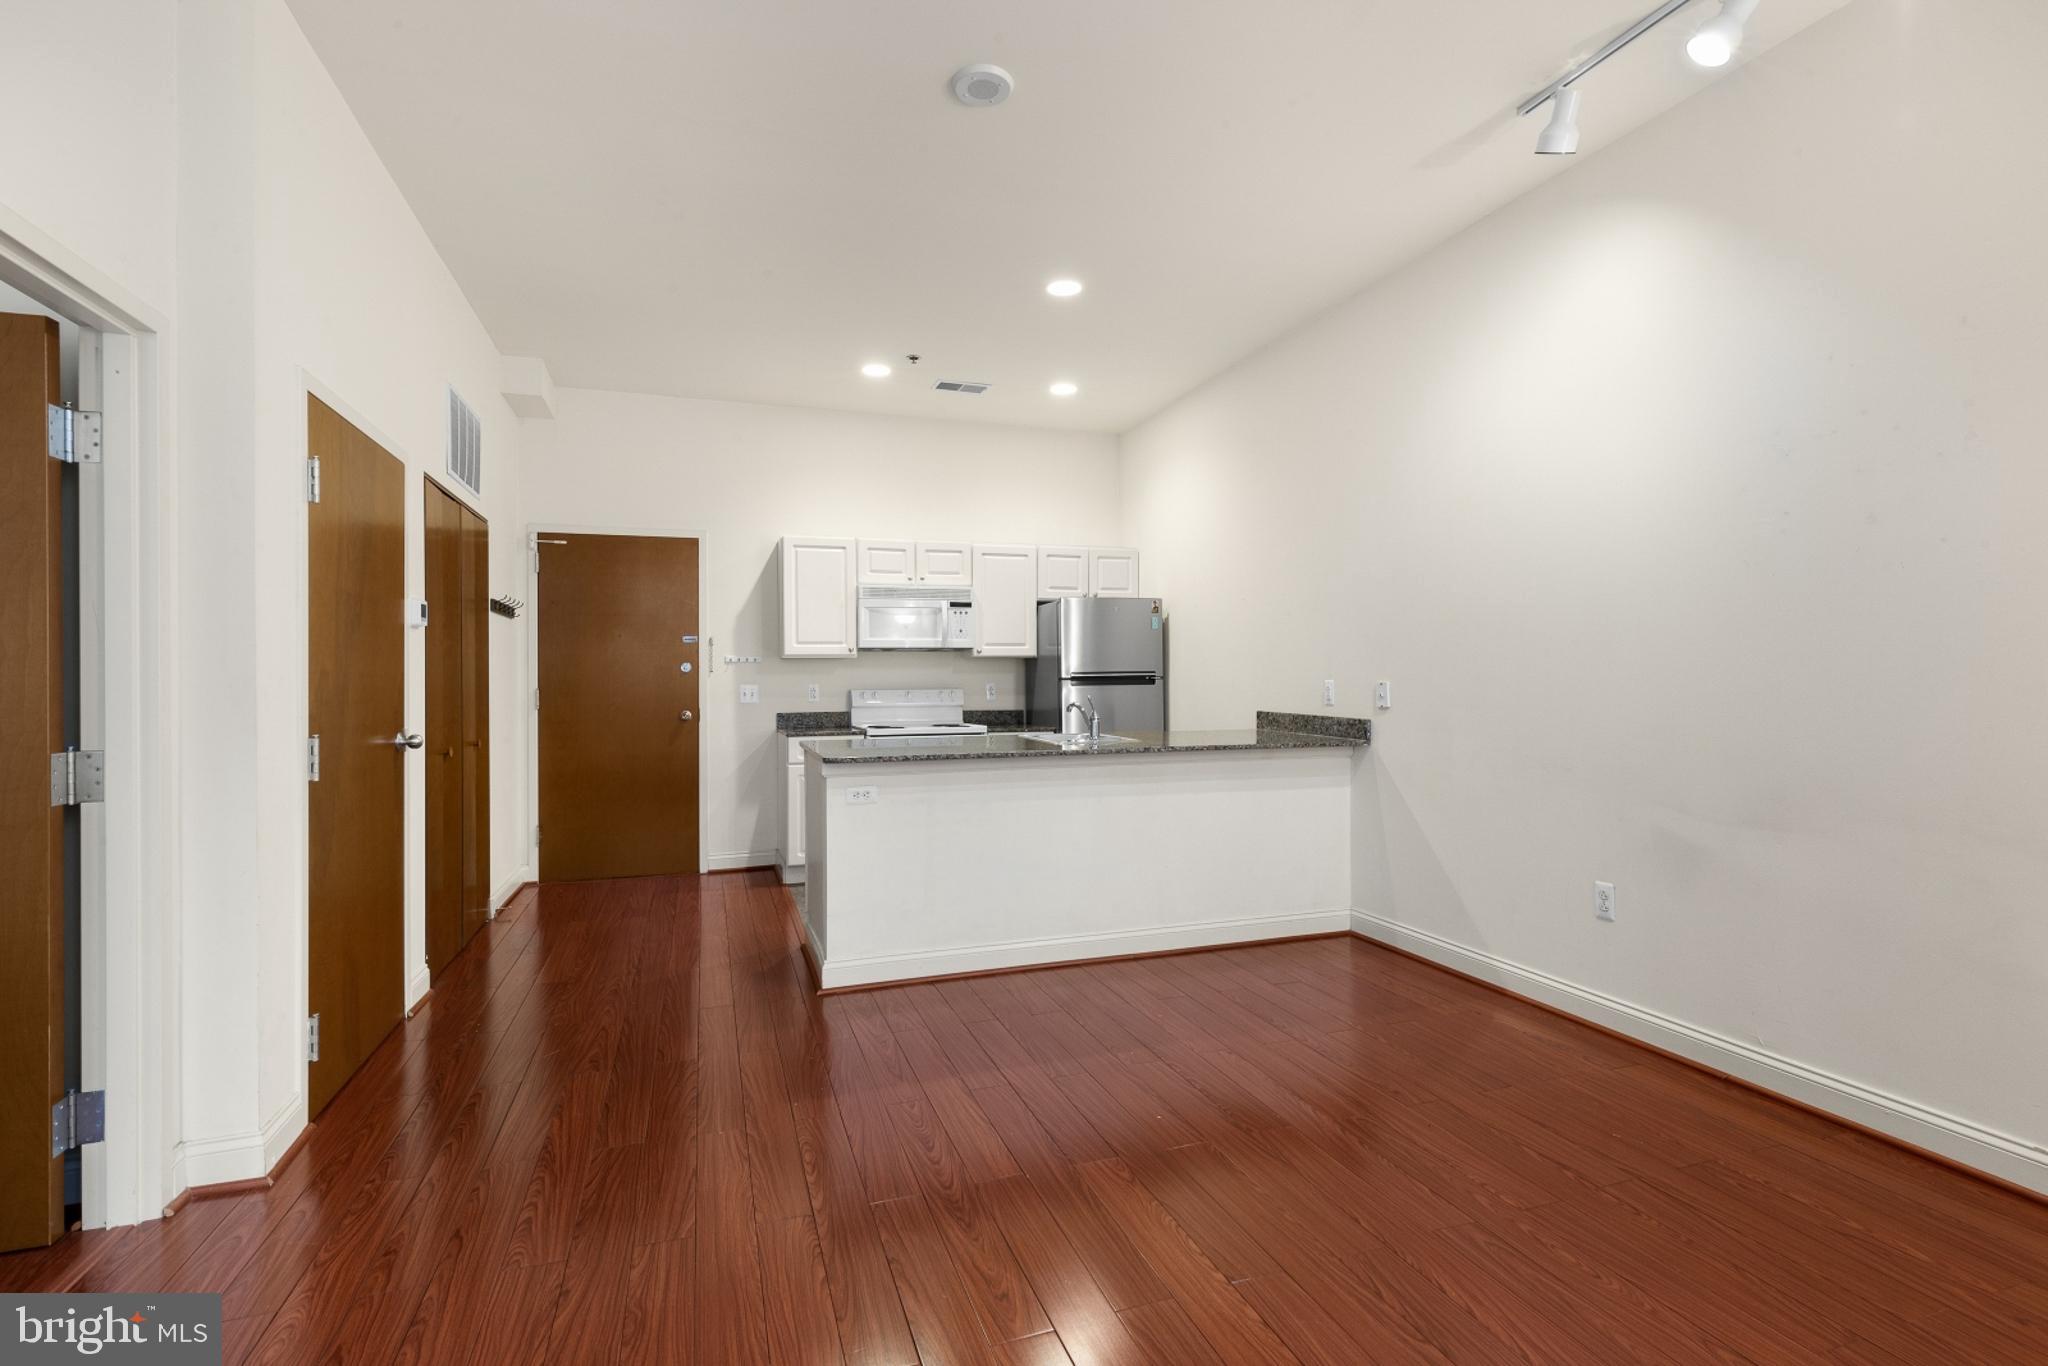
[{"x": 623, "y": 1128}]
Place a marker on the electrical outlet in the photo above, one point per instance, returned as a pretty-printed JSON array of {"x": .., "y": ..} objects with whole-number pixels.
[
  {"x": 750, "y": 692},
  {"x": 989, "y": 692},
  {"x": 1329, "y": 692},
  {"x": 1603, "y": 900},
  {"x": 862, "y": 796},
  {"x": 811, "y": 693},
  {"x": 1383, "y": 695}
]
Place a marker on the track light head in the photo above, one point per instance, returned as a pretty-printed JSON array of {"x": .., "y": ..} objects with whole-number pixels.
[
  {"x": 1560, "y": 137},
  {"x": 1720, "y": 36}
]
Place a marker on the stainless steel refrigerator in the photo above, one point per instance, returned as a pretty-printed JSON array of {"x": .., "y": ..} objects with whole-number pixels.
[{"x": 1109, "y": 653}]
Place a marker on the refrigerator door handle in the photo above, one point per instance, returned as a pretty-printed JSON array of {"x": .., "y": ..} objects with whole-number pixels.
[{"x": 1105, "y": 680}]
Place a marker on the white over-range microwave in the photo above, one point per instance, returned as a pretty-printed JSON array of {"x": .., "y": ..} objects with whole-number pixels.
[{"x": 911, "y": 618}]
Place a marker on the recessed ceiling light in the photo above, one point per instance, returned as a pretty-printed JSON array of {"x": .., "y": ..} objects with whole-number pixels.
[
  {"x": 1064, "y": 388},
  {"x": 1063, "y": 289},
  {"x": 874, "y": 369}
]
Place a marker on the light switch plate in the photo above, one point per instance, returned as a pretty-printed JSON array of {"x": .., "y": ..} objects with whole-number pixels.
[
  {"x": 750, "y": 692},
  {"x": 1383, "y": 695}
]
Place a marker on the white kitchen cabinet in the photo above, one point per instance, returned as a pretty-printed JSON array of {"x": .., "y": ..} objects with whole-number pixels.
[
  {"x": 1112, "y": 572},
  {"x": 887, "y": 561},
  {"x": 945, "y": 564},
  {"x": 792, "y": 863},
  {"x": 818, "y": 597},
  {"x": 1006, "y": 600},
  {"x": 1063, "y": 571}
]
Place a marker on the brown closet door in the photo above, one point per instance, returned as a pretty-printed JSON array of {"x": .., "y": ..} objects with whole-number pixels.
[
  {"x": 31, "y": 829},
  {"x": 618, "y": 716},
  {"x": 446, "y": 752},
  {"x": 476, "y": 723},
  {"x": 356, "y": 811}
]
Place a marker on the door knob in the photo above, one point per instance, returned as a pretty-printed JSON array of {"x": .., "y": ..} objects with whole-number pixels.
[
  {"x": 410, "y": 740},
  {"x": 689, "y": 716}
]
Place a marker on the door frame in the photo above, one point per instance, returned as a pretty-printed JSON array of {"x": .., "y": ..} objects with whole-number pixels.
[
  {"x": 128, "y": 694},
  {"x": 705, "y": 710}
]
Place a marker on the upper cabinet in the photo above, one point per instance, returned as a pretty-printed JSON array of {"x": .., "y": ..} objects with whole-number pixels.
[
  {"x": 818, "y": 596},
  {"x": 1063, "y": 571},
  {"x": 1112, "y": 572},
  {"x": 887, "y": 561},
  {"x": 945, "y": 564},
  {"x": 1006, "y": 600},
  {"x": 936, "y": 564}
]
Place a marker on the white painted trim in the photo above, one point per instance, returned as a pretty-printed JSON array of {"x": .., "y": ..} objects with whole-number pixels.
[
  {"x": 746, "y": 858},
  {"x": 1951, "y": 1136},
  {"x": 1074, "y": 948},
  {"x": 130, "y": 936},
  {"x": 705, "y": 711},
  {"x": 416, "y": 987},
  {"x": 282, "y": 1131},
  {"x": 509, "y": 888}
]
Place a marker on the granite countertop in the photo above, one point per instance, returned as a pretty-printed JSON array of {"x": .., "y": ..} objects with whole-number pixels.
[
  {"x": 808, "y": 723},
  {"x": 1275, "y": 731}
]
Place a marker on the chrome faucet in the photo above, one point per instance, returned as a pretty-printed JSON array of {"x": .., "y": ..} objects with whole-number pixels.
[{"x": 1094, "y": 718}]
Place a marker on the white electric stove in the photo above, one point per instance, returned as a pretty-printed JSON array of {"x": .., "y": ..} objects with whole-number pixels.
[{"x": 879, "y": 712}]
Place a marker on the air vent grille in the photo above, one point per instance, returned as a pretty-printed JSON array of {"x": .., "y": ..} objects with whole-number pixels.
[
  {"x": 961, "y": 386},
  {"x": 465, "y": 445}
]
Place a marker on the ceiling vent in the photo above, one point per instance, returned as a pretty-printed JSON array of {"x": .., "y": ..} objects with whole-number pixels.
[
  {"x": 961, "y": 386},
  {"x": 465, "y": 445}
]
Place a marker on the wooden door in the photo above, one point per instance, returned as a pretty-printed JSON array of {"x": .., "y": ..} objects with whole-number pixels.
[
  {"x": 458, "y": 725},
  {"x": 356, "y": 810},
  {"x": 444, "y": 733},
  {"x": 618, "y": 714},
  {"x": 476, "y": 723},
  {"x": 31, "y": 829}
]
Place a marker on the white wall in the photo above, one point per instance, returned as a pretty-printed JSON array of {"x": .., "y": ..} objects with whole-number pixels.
[
  {"x": 744, "y": 475},
  {"x": 1691, "y": 504},
  {"x": 197, "y": 158}
]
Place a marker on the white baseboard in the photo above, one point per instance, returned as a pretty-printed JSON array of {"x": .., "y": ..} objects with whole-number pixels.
[
  {"x": 282, "y": 1131},
  {"x": 859, "y": 972},
  {"x": 1987, "y": 1150},
  {"x": 750, "y": 858},
  {"x": 509, "y": 888},
  {"x": 417, "y": 987}
]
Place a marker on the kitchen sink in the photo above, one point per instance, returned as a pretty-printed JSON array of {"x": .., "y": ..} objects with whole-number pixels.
[{"x": 1082, "y": 742}]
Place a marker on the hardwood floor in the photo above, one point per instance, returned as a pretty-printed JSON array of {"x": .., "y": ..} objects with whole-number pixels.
[{"x": 624, "y": 1129}]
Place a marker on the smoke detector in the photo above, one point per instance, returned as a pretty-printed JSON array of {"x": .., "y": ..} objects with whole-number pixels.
[{"x": 982, "y": 84}]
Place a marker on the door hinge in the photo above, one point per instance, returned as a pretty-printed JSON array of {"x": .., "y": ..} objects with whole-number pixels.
[
  {"x": 536, "y": 837},
  {"x": 313, "y": 1037},
  {"x": 78, "y": 1119},
  {"x": 312, "y": 758},
  {"x": 313, "y": 480},
  {"x": 536, "y": 699},
  {"x": 78, "y": 776},
  {"x": 74, "y": 436}
]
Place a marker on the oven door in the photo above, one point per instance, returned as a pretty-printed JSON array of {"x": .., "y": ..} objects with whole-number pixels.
[{"x": 893, "y": 623}]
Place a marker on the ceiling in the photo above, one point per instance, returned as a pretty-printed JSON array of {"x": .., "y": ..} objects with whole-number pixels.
[{"x": 747, "y": 199}]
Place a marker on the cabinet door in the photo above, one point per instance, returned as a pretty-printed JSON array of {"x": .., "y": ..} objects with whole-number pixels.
[
  {"x": 887, "y": 562},
  {"x": 793, "y": 818},
  {"x": 818, "y": 597},
  {"x": 1113, "y": 572},
  {"x": 945, "y": 564},
  {"x": 1006, "y": 600},
  {"x": 1062, "y": 571}
]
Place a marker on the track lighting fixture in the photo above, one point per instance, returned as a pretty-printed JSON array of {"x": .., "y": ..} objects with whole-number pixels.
[
  {"x": 1713, "y": 45},
  {"x": 1560, "y": 137},
  {"x": 1718, "y": 38}
]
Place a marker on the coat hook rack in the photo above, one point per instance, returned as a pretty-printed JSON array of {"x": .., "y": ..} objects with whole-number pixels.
[{"x": 508, "y": 607}]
